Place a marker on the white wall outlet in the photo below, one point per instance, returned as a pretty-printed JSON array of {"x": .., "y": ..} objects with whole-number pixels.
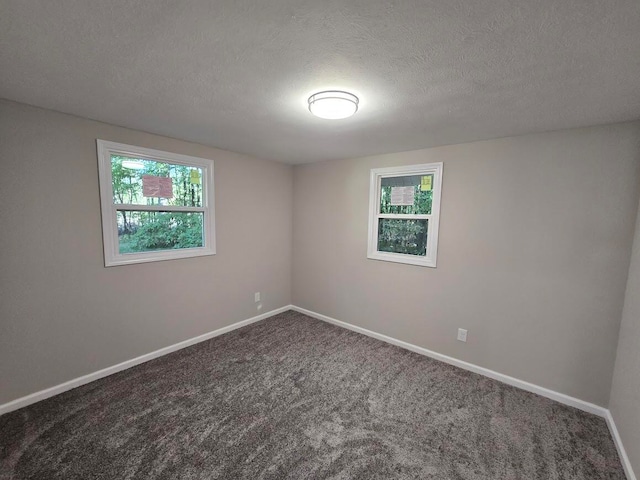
[
  {"x": 256, "y": 296},
  {"x": 462, "y": 335},
  {"x": 259, "y": 306}
]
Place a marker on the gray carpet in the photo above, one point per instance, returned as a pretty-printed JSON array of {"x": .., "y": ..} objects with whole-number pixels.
[{"x": 295, "y": 398}]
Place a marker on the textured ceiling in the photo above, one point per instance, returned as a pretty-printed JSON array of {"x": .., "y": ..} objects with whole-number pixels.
[{"x": 235, "y": 74}]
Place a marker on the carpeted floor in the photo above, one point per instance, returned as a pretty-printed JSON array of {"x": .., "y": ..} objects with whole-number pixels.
[{"x": 295, "y": 398}]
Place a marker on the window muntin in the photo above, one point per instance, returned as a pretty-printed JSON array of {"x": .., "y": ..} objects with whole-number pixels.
[
  {"x": 404, "y": 214},
  {"x": 155, "y": 205}
]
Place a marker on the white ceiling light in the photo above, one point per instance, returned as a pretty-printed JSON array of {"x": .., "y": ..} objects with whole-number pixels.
[{"x": 333, "y": 104}]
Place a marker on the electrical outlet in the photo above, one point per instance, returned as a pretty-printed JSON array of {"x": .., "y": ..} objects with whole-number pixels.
[
  {"x": 259, "y": 306},
  {"x": 462, "y": 335},
  {"x": 256, "y": 297}
]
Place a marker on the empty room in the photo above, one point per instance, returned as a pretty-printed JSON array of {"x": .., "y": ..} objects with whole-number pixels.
[{"x": 336, "y": 240}]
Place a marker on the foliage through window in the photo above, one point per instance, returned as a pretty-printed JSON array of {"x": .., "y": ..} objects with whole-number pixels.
[
  {"x": 155, "y": 205},
  {"x": 404, "y": 214}
]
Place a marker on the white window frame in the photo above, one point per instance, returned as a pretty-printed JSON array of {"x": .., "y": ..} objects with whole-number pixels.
[
  {"x": 112, "y": 256},
  {"x": 377, "y": 174}
]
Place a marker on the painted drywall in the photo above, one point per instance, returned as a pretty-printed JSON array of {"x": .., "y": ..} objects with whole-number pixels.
[
  {"x": 534, "y": 248},
  {"x": 625, "y": 391},
  {"x": 62, "y": 313}
]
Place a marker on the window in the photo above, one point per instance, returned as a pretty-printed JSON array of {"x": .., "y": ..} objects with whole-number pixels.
[
  {"x": 155, "y": 205},
  {"x": 404, "y": 210}
]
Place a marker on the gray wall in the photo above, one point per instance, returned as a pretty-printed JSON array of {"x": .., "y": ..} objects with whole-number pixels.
[
  {"x": 62, "y": 313},
  {"x": 625, "y": 392},
  {"x": 535, "y": 241}
]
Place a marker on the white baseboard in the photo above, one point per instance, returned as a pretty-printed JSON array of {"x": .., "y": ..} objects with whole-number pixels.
[
  {"x": 530, "y": 387},
  {"x": 76, "y": 382},
  {"x": 622, "y": 453},
  {"x": 545, "y": 392}
]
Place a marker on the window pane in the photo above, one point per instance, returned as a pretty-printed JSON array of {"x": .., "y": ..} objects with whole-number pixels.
[
  {"x": 406, "y": 194},
  {"x": 141, "y": 181},
  {"x": 403, "y": 236},
  {"x": 149, "y": 231}
]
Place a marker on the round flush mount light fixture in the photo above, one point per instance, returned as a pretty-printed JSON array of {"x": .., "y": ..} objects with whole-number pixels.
[{"x": 333, "y": 104}]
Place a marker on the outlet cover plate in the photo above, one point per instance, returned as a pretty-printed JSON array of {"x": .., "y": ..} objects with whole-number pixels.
[{"x": 462, "y": 335}]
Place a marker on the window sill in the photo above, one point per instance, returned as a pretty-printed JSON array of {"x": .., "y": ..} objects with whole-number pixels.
[
  {"x": 133, "y": 258},
  {"x": 402, "y": 258}
]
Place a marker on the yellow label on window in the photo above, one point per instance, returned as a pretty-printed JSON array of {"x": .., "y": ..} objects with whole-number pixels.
[
  {"x": 426, "y": 183},
  {"x": 195, "y": 176}
]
